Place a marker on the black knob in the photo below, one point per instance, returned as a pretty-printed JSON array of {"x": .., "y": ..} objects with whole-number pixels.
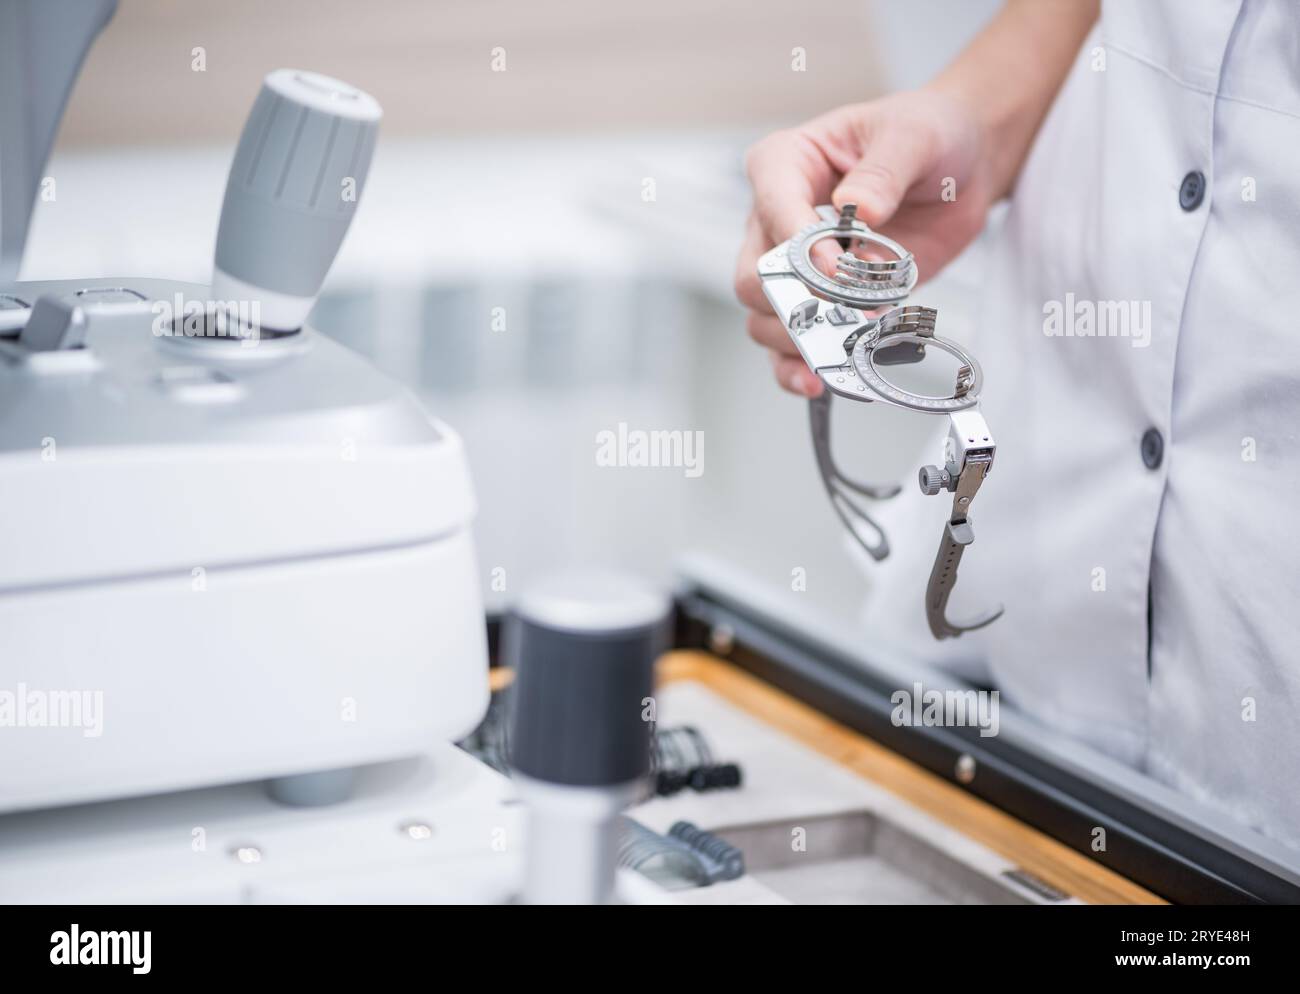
[{"x": 583, "y": 647}]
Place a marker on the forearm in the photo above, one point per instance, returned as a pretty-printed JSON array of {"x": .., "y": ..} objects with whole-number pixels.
[{"x": 1010, "y": 74}]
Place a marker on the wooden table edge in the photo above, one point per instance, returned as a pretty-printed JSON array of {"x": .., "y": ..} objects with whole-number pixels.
[{"x": 1051, "y": 861}]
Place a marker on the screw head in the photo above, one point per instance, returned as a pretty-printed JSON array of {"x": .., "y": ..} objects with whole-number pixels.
[
  {"x": 965, "y": 769},
  {"x": 248, "y": 855},
  {"x": 417, "y": 830},
  {"x": 722, "y": 639}
]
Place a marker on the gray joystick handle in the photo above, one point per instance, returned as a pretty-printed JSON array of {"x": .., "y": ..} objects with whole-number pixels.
[
  {"x": 293, "y": 188},
  {"x": 583, "y": 647}
]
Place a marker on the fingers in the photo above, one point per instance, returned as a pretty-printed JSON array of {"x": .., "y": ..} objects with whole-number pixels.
[
  {"x": 749, "y": 288},
  {"x": 793, "y": 375},
  {"x": 765, "y": 327},
  {"x": 893, "y": 160},
  {"x": 790, "y": 176},
  {"x": 768, "y": 331},
  {"x": 785, "y": 170}
]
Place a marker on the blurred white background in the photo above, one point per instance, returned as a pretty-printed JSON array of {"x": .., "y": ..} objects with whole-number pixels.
[{"x": 523, "y": 190}]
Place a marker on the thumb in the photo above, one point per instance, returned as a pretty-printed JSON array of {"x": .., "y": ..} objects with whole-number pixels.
[{"x": 891, "y": 164}]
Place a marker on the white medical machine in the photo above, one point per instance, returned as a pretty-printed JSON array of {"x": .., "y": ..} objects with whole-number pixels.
[
  {"x": 232, "y": 554},
  {"x": 230, "y": 550}
]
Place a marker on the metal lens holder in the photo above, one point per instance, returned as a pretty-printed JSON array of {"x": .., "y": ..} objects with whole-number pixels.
[
  {"x": 857, "y": 282},
  {"x": 837, "y": 324}
]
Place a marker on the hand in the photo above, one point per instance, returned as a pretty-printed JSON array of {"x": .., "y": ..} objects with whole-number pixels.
[{"x": 902, "y": 159}]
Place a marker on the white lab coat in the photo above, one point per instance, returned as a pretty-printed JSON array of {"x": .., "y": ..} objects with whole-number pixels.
[{"x": 1072, "y": 527}]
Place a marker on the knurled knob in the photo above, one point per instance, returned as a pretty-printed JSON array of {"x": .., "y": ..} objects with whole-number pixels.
[{"x": 933, "y": 479}]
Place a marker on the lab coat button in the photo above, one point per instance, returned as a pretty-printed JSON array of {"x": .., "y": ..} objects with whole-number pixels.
[
  {"x": 1153, "y": 448},
  {"x": 1192, "y": 192}
]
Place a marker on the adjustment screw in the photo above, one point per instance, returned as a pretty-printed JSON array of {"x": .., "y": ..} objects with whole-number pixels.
[
  {"x": 965, "y": 769},
  {"x": 722, "y": 639},
  {"x": 932, "y": 479}
]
